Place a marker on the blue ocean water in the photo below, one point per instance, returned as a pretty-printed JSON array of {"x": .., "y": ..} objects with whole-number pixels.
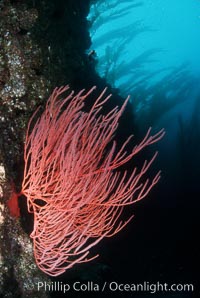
[{"x": 150, "y": 50}]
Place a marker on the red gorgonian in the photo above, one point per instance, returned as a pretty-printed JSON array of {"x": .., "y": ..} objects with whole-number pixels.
[{"x": 71, "y": 179}]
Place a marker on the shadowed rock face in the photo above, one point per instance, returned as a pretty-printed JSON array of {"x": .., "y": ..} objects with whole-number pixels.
[
  {"x": 41, "y": 47},
  {"x": 40, "y": 44}
]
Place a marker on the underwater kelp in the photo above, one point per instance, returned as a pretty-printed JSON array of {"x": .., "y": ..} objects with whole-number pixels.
[{"x": 149, "y": 51}]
